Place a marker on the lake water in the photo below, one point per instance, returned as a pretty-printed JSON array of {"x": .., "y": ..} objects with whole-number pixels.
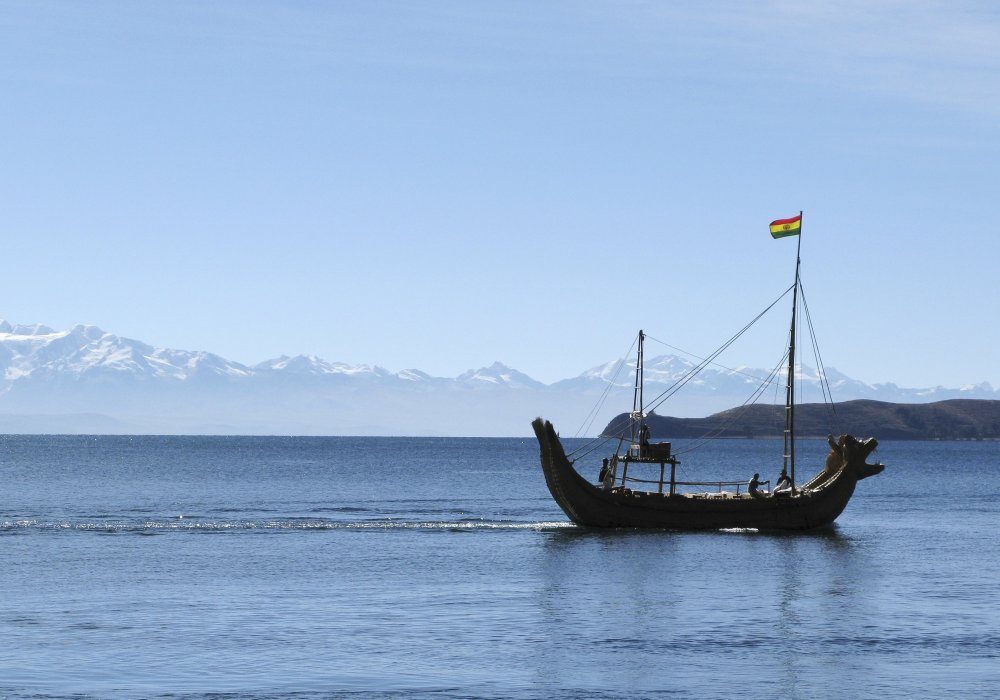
[{"x": 393, "y": 568}]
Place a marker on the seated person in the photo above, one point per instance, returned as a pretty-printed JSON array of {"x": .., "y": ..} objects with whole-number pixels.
[
  {"x": 753, "y": 485},
  {"x": 784, "y": 483}
]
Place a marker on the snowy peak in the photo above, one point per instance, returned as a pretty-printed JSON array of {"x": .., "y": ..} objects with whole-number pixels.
[
  {"x": 24, "y": 330},
  {"x": 661, "y": 369},
  {"x": 498, "y": 375},
  {"x": 90, "y": 352},
  {"x": 311, "y": 365},
  {"x": 300, "y": 364},
  {"x": 414, "y": 375},
  {"x": 88, "y": 332}
]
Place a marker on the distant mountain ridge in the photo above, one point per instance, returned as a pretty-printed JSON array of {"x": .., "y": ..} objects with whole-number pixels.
[
  {"x": 73, "y": 380},
  {"x": 37, "y": 350}
]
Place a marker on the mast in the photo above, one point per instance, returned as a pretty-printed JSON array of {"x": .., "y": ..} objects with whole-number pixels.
[
  {"x": 637, "y": 410},
  {"x": 789, "y": 456}
]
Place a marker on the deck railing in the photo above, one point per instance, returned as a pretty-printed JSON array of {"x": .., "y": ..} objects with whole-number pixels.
[{"x": 717, "y": 484}]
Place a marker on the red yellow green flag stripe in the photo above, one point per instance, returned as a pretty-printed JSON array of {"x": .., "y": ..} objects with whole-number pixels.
[{"x": 786, "y": 227}]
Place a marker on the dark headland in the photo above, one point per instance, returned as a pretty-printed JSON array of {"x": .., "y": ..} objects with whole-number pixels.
[{"x": 955, "y": 419}]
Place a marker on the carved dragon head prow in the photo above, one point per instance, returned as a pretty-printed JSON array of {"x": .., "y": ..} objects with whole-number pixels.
[{"x": 849, "y": 452}]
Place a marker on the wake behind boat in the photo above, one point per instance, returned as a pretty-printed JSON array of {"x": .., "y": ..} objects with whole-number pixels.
[{"x": 621, "y": 500}]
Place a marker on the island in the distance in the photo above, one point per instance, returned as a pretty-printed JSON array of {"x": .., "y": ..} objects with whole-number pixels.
[{"x": 954, "y": 419}]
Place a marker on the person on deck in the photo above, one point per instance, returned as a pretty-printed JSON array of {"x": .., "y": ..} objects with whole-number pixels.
[
  {"x": 644, "y": 441},
  {"x": 753, "y": 485},
  {"x": 784, "y": 484}
]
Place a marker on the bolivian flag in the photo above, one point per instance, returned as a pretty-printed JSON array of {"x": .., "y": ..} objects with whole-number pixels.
[{"x": 786, "y": 227}]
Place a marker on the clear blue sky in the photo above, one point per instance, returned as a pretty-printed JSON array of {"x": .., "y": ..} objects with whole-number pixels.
[{"x": 443, "y": 184}]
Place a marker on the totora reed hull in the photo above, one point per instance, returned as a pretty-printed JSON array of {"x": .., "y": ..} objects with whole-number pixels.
[{"x": 816, "y": 504}]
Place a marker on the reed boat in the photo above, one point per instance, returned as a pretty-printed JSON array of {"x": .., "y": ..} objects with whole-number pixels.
[
  {"x": 815, "y": 504},
  {"x": 619, "y": 500}
]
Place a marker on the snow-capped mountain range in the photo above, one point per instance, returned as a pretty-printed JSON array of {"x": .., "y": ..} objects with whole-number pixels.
[
  {"x": 87, "y": 352},
  {"x": 88, "y": 380}
]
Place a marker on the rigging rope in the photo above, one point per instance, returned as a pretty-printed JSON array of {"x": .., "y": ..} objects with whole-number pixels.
[
  {"x": 588, "y": 422},
  {"x": 673, "y": 389},
  {"x": 820, "y": 367},
  {"x": 592, "y": 416},
  {"x": 616, "y": 431},
  {"x": 697, "y": 357},
  {"x": 738, "y": 413}
]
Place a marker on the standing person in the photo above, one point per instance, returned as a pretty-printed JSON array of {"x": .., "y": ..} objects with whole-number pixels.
[{"x": 644, "y": 441}]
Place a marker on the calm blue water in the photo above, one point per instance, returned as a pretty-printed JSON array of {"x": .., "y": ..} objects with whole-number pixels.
[{"x": 391, "y": 568}]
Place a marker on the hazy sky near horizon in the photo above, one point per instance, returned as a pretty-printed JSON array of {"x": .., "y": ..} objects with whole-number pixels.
[{"x": 439, "y": 185}]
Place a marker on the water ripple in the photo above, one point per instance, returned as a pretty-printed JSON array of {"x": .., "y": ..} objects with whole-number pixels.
[{"x": 215, "y": 525}]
